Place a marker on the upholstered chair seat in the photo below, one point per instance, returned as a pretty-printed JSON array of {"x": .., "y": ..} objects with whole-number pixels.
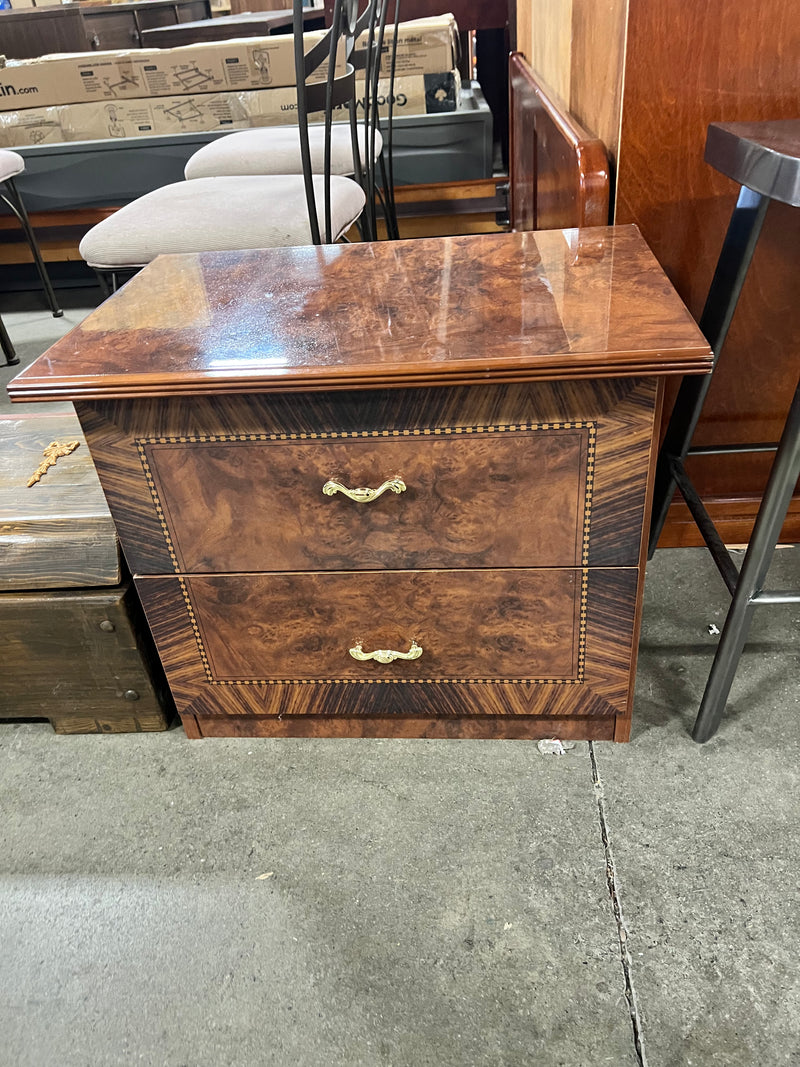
[
  {"x": 218, "y": 214},
  {"x": 11, "y": 164},
  {"x": 276, "y": 150}
]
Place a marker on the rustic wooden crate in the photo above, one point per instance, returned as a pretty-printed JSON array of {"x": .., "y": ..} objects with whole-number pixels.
[
  {"x": 57, "y": 534},
  {"x": 82, "y": 659},
  {"x": 75, "y": 646}
]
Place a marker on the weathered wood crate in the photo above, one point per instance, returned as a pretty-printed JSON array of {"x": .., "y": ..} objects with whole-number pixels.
[{"x": 76, "y": 649}]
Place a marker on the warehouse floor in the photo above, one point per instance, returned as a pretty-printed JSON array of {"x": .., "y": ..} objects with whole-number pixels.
[{"x": 443, "y": 903}]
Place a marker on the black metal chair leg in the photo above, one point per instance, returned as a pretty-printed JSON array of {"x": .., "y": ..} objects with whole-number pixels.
[
  {"x": 771, "y": 515},
  {"x": 7, "y": 347},
  {"x": 388, "y": 201},
  {"x": 14, "y": 201},
  {"x": 732, "y": 266}
]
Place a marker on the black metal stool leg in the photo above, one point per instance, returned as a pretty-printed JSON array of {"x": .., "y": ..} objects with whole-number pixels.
[
  {"x": 771, "y": 515},
  {"x": 7, "y": 347},
  {"x": 14, "y": 201},
  {"x": 732, "y": 266}
]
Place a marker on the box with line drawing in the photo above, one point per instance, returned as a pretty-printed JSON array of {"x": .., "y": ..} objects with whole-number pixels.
[
  {"x": 212, "y": 67},
  {"x": 416, "y": 95}
]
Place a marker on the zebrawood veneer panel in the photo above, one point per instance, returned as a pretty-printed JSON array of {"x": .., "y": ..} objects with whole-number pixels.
[
  {"x": 595, "y": 666},
  {"x": 181, "y": 504}
]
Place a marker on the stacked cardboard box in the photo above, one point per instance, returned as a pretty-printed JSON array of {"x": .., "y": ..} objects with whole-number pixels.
[{"x": 217, "y": 85}]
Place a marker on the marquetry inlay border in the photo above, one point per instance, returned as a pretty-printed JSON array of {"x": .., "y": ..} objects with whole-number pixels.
[{"x": 439, "y": 431}]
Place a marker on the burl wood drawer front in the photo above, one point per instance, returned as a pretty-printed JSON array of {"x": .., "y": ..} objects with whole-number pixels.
[
  {"x": 551, "y": 473},
  {"x": 493, "y": 498},
  {"x": 493, "y": 642}
]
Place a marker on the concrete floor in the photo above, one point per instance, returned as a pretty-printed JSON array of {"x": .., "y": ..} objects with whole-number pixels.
[{"x": 412, "y": 903}]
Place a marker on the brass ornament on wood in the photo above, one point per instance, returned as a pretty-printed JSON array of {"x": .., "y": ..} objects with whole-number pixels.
[
  {"x": 364, "y": 495},
  {"x": 385, "y": 655},
  {"x": 53, "y": 452}
]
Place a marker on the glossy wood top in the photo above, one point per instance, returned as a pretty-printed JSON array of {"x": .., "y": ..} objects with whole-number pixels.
[{"x": 507, "y": 307}]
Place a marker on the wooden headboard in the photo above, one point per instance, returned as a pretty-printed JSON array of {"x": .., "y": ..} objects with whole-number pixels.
[{"x": 559, "y": 174}]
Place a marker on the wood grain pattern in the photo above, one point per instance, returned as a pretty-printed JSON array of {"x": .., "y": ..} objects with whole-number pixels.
[
  {"x": 71, "y": 657},
  {"x": 439, "y": 311},
  {"x": 57, "y": 534},
  {"x": 41, "y": 31},
  {"x": 559, "y": 171},
  {"x": 477, "y": 727},
  {"x": 497, "y": 498},
  {"x": 678, "y": 68},
  {"x": 544, "y": 36},
  {"x": 603, "y": 691},
  {"x": 620, "y": 413},
  {"x": 507, "y": 625},
  {"x": 688, "y": 66},
  {"x": 145, "y": 723},
  {"x": 596, "y": 69}
]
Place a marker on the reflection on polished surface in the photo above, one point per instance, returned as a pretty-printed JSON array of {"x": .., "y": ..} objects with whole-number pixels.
[{"x": 524, "y": 305}]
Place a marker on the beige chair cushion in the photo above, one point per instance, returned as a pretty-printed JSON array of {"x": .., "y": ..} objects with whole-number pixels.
[
  {"x": 11, "y": 164},
  {"x": 276, "y": 150},
  {"x": 218, "y": 214}
]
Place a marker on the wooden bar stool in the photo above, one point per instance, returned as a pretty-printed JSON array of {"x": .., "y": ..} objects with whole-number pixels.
[
  {"x": 764, "y": 157},
  {"x": 12, "y": 164}
]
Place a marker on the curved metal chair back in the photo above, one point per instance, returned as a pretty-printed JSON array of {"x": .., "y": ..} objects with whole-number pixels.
[{"x": 336, "y": 51}]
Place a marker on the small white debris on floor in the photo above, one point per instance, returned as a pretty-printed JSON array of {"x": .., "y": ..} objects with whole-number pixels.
[{"x": 551, "y": 746}]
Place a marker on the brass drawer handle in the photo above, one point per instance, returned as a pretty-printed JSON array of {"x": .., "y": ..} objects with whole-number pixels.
[
  {"x": 364, "y": 496},
  {"x": 385, "y": 655}
]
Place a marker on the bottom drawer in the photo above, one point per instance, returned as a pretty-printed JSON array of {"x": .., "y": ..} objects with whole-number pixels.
[{"x": 553, "y": 642}]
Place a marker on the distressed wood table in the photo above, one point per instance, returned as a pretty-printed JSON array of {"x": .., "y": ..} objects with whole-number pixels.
[{"x": 394, "y": 489}]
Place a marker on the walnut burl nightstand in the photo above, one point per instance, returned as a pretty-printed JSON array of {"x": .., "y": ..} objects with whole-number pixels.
[{"x": 393, "y": 489}]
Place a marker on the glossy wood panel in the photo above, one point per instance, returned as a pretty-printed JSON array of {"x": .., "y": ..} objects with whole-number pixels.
[
  {"x": 456, "y": 309},
  {"x": 496, "y": 498},
  {"x": 509, "y": 625},
  {"x": 602, "y": 691},
  {"x": 477, "y": 727},
  {"x": 688, "y": 66},
  {"x": 559, "y": 172},
  {"x": 619, "y": 413}
]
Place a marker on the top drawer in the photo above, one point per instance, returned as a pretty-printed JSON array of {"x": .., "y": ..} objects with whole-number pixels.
[
  {"x": 546, "y": 475},
  {"x": 443, "y": 498}
]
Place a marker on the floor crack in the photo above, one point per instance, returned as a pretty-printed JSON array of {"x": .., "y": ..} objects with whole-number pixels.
[{"x": 616, "y": 902}]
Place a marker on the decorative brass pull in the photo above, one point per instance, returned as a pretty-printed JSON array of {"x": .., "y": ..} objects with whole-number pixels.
[
  {"x": 364, "y": 496},
  {"x": 385, "y": 655}
]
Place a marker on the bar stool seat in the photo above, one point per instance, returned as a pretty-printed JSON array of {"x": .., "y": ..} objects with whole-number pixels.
[
  {"x": 764, "y": 158},
  {"x": 12, "y": 164}
]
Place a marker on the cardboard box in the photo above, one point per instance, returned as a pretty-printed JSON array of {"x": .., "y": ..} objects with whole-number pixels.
[
  {"x": 424, "y": 46},
  {"x": 211, "y": 67},
  {"x": 416, "y": 95}
]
